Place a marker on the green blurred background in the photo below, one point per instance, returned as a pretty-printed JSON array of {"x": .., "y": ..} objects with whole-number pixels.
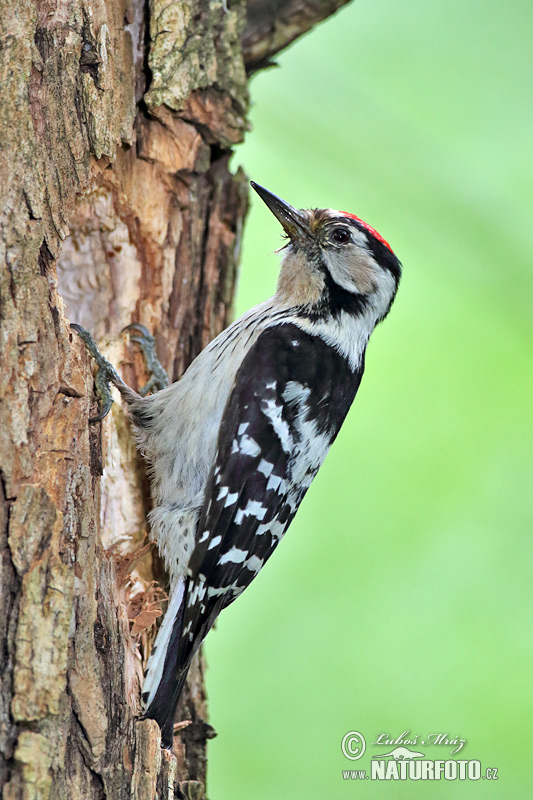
[{"x": 400, "y": 599}]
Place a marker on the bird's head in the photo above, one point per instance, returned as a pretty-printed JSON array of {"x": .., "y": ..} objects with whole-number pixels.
[{"x": 333, "y": 262}]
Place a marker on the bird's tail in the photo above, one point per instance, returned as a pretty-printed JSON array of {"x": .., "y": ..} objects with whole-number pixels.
[{"x": 164, "y": 680}]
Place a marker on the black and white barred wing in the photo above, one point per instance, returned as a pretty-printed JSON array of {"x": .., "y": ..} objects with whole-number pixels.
[{"x": 291, "y": 395}]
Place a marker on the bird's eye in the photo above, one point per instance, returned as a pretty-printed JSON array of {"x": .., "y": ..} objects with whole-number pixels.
[{"x": 340, "y": 236}]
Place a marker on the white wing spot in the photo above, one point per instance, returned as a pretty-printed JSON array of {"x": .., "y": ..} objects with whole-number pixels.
[
  {"x": 254, "y": 564},
  {"x": 275, "y": 529},
  {"x": 249, "y": 446},
  {"x": 223, "y": 492},
  {"x": 231, "y": 499},
  {"x": 296, "y": 391},
  {"x": 242, "y": 428},
  {"x": 198, "y": 593},
  {"x": 265, "y": 467},
  {"x": 212, "y": 592},
  {"x": 274, "y": 411},
  {"x": 234, "y": 555},
  {"x": 253, "y": 508},
  {"x": 273, "y": 482},
  {"x": 214, "y": 541}
]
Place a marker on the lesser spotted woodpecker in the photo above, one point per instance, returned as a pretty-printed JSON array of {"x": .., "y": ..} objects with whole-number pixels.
[{"x": 236, "y": 442}]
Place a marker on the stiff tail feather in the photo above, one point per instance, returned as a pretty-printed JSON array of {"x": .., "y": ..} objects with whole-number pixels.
[{"x": 162, "y": 683}]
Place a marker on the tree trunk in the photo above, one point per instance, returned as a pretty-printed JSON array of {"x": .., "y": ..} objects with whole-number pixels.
[{"x": 118, "y": 119}]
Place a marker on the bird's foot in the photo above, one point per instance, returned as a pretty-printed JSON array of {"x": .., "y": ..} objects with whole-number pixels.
[
  {"x": 105, "y": 374},
  {"x": 158, "y": 376}
]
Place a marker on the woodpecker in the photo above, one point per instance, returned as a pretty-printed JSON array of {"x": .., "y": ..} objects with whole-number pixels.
[{"x": 234, "y": 445}]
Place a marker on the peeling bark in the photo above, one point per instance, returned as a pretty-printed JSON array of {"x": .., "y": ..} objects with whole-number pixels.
[{"x": 117, "y": 205}]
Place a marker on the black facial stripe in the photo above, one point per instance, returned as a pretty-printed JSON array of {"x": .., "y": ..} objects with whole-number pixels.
[{"x": 334, "y": 300}]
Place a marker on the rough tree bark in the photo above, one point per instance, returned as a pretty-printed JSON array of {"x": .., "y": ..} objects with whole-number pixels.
[{"x": 118, "y": 118}]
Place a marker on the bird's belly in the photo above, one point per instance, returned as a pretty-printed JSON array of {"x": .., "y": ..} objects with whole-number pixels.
[{"x": 174, "y": 530}]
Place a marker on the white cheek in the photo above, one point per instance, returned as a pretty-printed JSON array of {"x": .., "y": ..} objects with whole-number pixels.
[
  {"x": 386, "y": 288},
  {"x": 352, "y": 268}
]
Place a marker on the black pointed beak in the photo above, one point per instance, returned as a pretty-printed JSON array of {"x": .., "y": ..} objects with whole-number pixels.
[{"x": 292, "y": 221}]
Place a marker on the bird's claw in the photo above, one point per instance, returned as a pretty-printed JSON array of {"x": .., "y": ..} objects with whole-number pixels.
[
  {"x": 105, "y": 373},
  {"x": 158, "y": 376}
]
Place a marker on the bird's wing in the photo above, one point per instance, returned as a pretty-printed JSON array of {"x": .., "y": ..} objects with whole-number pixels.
[{"x": 290, "y": 397}]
